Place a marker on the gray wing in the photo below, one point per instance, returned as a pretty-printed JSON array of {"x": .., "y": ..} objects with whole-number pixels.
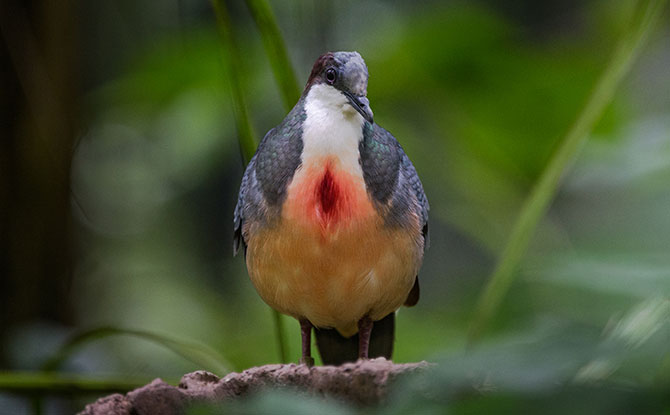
[
  {"x": 244, "y": 198},
  {"x": 391, "y": 177},
  {"x": 268, "y": 174},
  {"x": 412, "y": 179}
]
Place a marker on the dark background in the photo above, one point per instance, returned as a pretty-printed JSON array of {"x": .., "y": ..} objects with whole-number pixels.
[{"x": 119, "y": 170}]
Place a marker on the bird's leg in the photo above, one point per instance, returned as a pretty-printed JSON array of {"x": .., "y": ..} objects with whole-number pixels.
[
  {"x": 306, "y": 331},
  {"x": 364, "y": 330}
]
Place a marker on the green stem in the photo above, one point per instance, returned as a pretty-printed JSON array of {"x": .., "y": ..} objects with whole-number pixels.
[
  {"x": 279, "y": 333},
  {"x": 535, "y": 206},
  {"x": 37, "y": 402},
  {"x": 280, "y": 64},
  {"x": 232, "y": 61},
  {"x": 199, "y": 354},
  {"x": 288, "y": 85},
  {"x": 276, "y": 51},
  {"x": 30, "y": 382}
]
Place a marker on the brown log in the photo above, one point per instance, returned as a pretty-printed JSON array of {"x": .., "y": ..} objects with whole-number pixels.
[{"x": 365, "y": 382}]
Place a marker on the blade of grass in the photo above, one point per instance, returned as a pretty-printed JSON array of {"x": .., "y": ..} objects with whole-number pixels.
[
  {"x": 285, "y": 77},
  {"x": 41, "y": 382},
  {"x": 535, "y": 206},
  {"x": 233, "y": 63},
  {"x": 276, "y": 51},
  {"x": 246, "y": 135},
  {"x": 279, "y": 334},
  {"x": 199, "y": 354}
]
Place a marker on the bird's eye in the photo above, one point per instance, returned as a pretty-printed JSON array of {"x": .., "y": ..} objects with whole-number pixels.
[{"x": 331, "y": 75}]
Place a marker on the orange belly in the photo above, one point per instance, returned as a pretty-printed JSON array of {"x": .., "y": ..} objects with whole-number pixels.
[{"x": 330, "y": 258}]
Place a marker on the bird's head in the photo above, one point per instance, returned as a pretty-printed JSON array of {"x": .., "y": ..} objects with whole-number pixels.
[{"x": 345, "y": 74}]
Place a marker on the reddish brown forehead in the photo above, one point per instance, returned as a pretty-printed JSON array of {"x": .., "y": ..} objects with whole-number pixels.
[{"x": 322, "y": 62}]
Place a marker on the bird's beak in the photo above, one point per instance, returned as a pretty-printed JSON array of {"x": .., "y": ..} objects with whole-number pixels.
[{"x": 360, "y": 104}]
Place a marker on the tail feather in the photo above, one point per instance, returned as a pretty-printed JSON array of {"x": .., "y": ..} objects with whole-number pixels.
[{"x": 336, "y": 349}]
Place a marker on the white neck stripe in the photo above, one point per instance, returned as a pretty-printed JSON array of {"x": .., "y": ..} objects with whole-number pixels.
[{"x": 332, "y": 128}]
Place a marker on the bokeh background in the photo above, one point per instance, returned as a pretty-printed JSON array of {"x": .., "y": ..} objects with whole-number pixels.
[{"x": 120, "y": 166}]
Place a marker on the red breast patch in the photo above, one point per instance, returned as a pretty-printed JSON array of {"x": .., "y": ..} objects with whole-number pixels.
[{"x": 327, "y": 196}]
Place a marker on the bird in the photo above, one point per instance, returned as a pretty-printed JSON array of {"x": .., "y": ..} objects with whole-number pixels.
[{"x": 333, "y": 218}]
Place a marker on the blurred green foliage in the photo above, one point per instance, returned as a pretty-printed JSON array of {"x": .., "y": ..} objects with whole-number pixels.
[{"x": 479, "y": 95}]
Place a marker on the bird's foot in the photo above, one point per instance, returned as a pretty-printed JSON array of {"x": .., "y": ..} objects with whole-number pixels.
[
  {"x": 306, "y": 332},
  {"x": 306, "y": 360},
  {"x": 364, "y": 330}
]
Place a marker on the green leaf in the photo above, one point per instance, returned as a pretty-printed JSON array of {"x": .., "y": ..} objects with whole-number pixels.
[
  {"x": 29, "y": 382},
  {"x": 199, "y": 354},
  {"x": 276, "y": 51},
  {"x": 246, "y": 135},
  {"x": 538, "y": 201},
  {"x": 285, "y": 77}
]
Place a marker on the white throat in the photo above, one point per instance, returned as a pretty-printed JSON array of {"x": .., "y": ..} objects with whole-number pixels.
[{"x": 332, "y": 128}]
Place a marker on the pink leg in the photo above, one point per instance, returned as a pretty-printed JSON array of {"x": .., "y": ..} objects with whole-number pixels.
[
  {"x": 364, "y": 330},
  {"x": 306, "y": 332}
]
